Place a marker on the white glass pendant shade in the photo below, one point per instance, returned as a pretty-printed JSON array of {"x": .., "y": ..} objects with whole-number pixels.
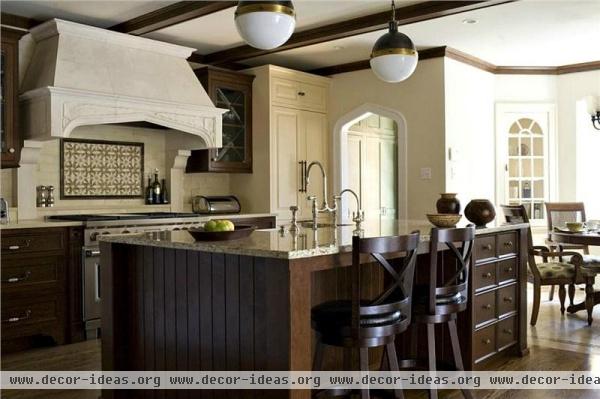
[
  {"x": 394, "y": 68},
  {"x": 394, "y": 56},
  {"x": 265, "y": 25}
]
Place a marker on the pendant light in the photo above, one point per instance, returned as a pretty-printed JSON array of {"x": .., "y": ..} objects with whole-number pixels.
[
  {"x": 394, "y": 57},
  {"x": 265, "y": 24}
]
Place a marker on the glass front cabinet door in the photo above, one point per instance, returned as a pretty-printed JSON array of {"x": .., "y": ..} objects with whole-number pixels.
[
  {"x": 231, "y": 91},
  {"x": 9, "y": 133}
]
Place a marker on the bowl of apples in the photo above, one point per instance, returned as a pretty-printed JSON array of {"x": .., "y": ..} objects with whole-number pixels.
[{"x": 221, "y": 230}]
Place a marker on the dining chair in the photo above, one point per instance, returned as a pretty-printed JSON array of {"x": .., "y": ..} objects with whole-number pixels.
[
  {"x": 559, "y": 213},
  {"x": 557, "y": 267},
  {"x": 361, "y": 323},
  {"x": 446, "y": 293}
]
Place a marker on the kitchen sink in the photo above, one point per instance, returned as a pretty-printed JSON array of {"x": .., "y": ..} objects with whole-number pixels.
[{"x": 309, "y": 224}]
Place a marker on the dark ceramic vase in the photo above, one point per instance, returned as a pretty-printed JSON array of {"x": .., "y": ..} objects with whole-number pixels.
[
  {"x": 448, "y": 203},
  {"x": 480, "y": 212}
]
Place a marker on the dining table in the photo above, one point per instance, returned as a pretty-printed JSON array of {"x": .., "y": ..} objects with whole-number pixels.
[{"x": 589, "y": 238}]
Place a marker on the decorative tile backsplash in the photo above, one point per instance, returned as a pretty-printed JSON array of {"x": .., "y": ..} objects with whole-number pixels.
[{"x": 101, "y": 169}]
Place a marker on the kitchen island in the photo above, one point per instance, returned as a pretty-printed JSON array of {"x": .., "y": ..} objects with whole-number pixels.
[{"x": 170, "y": 303}]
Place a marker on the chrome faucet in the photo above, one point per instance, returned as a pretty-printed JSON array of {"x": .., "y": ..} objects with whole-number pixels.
[
  {"x": 310, "y": 165},
  {"x": 325, "y": 208},
  {"x": 359, "y": 216}
]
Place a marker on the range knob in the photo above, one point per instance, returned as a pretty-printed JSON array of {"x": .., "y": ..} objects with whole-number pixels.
[{"x": 94, "y": 236}]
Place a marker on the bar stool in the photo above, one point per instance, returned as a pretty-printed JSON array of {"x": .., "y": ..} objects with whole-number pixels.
[
  {"x": 443, "y": 298},
  {"x": 361, "y": 323}
]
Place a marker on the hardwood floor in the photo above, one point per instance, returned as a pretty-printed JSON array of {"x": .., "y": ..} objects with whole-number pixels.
[{"x": 556, "y": 343}]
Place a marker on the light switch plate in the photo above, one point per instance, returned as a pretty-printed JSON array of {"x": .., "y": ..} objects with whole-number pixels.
[{"x": 426, "y": 173}]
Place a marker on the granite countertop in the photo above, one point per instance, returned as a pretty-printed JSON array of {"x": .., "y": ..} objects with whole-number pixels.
[
  {"x": 303, "y": 244},
  {"x": 41, "y": 223}
]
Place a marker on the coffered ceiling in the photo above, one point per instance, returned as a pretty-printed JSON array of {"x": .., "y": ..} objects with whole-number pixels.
[{"x": 526, "y": 32}]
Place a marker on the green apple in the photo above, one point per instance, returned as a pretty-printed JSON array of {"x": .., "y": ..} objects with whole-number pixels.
[
  {"x": 229, "y": 224},
  {"x": 224, "y": 225},
  {"x": 211, "y": 225}
]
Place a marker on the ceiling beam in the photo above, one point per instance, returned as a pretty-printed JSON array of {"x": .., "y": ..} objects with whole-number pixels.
[
  {"x": 369, "y": 23},
  {"x": 171, "y": 15},
  {"x": 17, "y": 22},
  {"x": 364, "y": 64},
  {"x": 449, "y": 52}
]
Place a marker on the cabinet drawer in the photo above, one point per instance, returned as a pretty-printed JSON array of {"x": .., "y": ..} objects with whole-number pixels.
[
  {"x": 285, "y": 91},
  {"x": 507, "y": 299},
  {"x": 312, "y": 97},
  {"x": 506, "y": 332},
  {"x": 484, "y": 343},
  {"x": 298, "y": 95},
  {"x": 30, "y": 273},
  {"x": 507, "y": 244},
  {"x": 22, "y": 318},
  {"x": 485, "y": 248},
  {"x": 49, "y": 240},
  {"x": 507, "y": 270},
  {"x": 485, "y": 307},
  {"x": 484, "y": 276}
]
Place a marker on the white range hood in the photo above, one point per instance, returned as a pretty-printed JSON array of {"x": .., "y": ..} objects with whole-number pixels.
[{"x": 80, "y": 75}]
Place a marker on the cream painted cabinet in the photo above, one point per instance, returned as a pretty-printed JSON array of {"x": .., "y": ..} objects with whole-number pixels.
[
  {"x": 301, "y": 139},
  {"x": 288, "y": 92},
  {"x": 290, "y": 131},
  {"x": 372, "y": 169}
]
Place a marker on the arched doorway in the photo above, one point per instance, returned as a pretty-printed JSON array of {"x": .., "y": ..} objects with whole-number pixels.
[{"x": 340, "y": 155}]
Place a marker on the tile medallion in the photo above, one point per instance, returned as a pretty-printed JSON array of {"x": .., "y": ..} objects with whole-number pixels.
[{"x": 101, "y": 169}]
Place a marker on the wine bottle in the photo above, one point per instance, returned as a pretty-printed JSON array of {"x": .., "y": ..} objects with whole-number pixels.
[
  {"x": 164, "y": 193},
  {"x": 149, "y": 190},
  {"x": 156, "y": 189}
]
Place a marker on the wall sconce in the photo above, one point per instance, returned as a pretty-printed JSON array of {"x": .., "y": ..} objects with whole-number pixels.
[{"x": 593, "y": 108}]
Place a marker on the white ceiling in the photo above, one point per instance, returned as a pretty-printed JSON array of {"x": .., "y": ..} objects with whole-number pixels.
[
  {"x": 527, "y": 32},
  {"x": 93, "y": 12},
  {"x": 217, "y": 31}
]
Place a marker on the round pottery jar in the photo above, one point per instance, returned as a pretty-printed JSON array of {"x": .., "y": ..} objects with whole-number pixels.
[
  {"x": 448, "y": 203},
  {"x": 480, "y": 212}
]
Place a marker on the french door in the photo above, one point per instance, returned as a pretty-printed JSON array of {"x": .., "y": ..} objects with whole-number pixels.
[{"x": 525, "y": 154}]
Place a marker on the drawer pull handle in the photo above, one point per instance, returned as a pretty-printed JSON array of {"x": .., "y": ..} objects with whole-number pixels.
[
  {"x": 24, "y": 277},
  {"x": 508, "y": 299},
  {"x": 17, "y": 247},
  {"x": 487, "y": 275},
  {"x": 301, "y": 93},
  {"x": 20, "y": 318},
  {"x": 487, "y": 341},
  {"x": 488, "y": 306},
  {"x": 487, "y": 247},
  {"x": 507, "y": 331},
  {"x": 508, "y": 244}
]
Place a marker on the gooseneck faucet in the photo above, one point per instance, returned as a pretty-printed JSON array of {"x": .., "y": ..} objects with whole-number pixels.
[
  {"x": 325, "y": 208},
  {"x": 359, "y": 216},
  {"x": 313, "y": 163}
]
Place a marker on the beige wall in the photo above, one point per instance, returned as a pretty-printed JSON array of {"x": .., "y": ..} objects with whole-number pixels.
[
  {"x": 48, "y": 172},
  {"x": 470, "y": 139},
  {"x": 421, "y": 100},
  {"x": 564, "y": 91},
  {"x": 570, "y": 89}
]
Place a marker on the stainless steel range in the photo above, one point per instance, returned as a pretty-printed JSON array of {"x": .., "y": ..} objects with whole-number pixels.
[{"x": 115, "y": 224}]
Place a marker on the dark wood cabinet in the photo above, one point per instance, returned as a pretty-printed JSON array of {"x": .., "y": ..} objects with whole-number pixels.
[
  {"x": 495, "y": 320},
  {"x": 11, "y": 140},
  {"x": 41, "y": 287},
  {"x": 232, "y": 91}
]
